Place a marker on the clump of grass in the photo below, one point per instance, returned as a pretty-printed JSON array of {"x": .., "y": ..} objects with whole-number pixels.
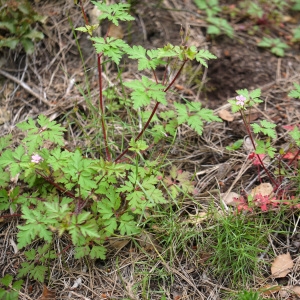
[{"x": 235, "y": 243}]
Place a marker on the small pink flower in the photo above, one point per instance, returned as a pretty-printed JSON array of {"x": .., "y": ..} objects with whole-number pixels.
[
  {"x": 35, "y": 158},
  {"x": 240, "y": 100}
]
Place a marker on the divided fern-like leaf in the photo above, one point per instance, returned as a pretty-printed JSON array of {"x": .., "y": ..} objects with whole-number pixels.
[
  {"x": 265, "y": 148},
  {"x": 14, "y": 160},
  {"x": 38, "y": 273},
  {"x": 36, "y": 226},
  {"x": 137, "y": 146},
  {"x": 30, "y": 255},
  {"x": 295, "y": 134},
  {"x": 266, "y": 128},
  {"x": 203, "y": 55},
  {"x": 5, "y": 141},
  {"x": 109, "y": 205},
  {"x": 26, "y": 269},
  {"x": 127, "y": 225},
  {"x": 111, "y": 225},
  {"x": 114, "y": 12},
  {"x": 90, "y": 229},
  {"x": 111, "y": 47},
  {"x": 6, "y": 280},
  {"x": 194, "y": 115},
  {"x": 147, "y": 59},
  {"x": 144, "y": 91},
  {"x": 4, "y": 200},
  {"x": 81, "y": 251},
  {"x": 295, "y": 93},
  {"x": 36, "y": 136},
  {"x": 219, "y": 25},
  {"x": 98, "y": 252},
  {"x": 255, "y": 94},
  {"x": 105, "y": 208},
  {"x": 169, "y": 50}
]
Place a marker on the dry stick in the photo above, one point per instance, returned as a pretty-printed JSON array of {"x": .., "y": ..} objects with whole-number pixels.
[
  {"x": 26, "y": 87},
  {"x": 153, "y": 112}
]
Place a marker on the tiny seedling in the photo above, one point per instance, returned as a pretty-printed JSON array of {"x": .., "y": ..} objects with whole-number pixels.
[{"x": 276, "y": 45}]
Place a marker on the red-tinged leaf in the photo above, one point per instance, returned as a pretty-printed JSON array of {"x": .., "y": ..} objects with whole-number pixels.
[
  {"x": 290, "y": 156},
  {"x": 288, "y": 127},
  {"x": 254, "y": 157}
]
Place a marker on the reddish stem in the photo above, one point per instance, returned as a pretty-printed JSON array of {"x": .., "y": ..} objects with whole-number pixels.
[
  {"x": 295, "y": 157},
  {"x": 153, "y": 112},
  {"x": 101, "y": 107},
  {"x": 101, "y": 101},
  {"x": 64, "y": 191},
  {"x": 254, "y": 147},
  {"x": 86, "y": 21},
  {"x": 155, "y": 77},
  {"x": 165, "y": 73},
  {"x": 11, "y": 216}
]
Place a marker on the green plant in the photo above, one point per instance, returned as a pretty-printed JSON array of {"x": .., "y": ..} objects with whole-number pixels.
[
  {"x": 296, "y": 34},
  {"x": 216, "y": 25},
  {"x": 211, "y": 8},
  {"x": 296, "y": 5},
  {"x": 16, "y": 25},
  {"x": 236, "y": 242},
  {"x": 9, "y": 290},
  {"x": 276, "y": 45},
  {"x": 264, "y": 14},
  {"x": 37, "y": 262},
  {"x": 264, "y": 147},
  {"x": 89, "y": 199},
  {"x": 248, "y": 295}
]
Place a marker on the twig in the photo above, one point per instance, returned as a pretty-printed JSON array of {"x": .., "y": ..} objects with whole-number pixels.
[{"x": 25, "y": 87}]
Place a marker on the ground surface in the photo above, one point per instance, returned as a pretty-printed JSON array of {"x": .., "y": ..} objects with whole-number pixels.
[{"x": 241, "y": 64}]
